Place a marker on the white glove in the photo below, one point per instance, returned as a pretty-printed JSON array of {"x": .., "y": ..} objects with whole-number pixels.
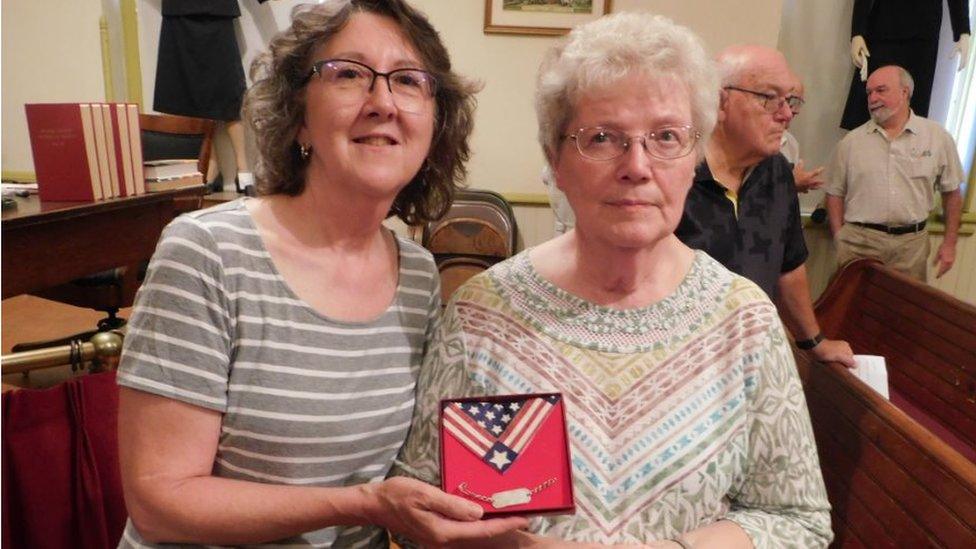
[
  {"x": 860, "y": 54},
  {"x": 962, "y": 48}
]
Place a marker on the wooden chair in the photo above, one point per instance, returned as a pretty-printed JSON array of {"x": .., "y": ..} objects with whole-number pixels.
[
  {"x": 478, "y": 231},
  {"x": 167, "y": 136},
  {"x": 163, "y": 137}
]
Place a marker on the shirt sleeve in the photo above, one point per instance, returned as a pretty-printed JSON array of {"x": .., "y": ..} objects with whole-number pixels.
[
  {"x": 178, "y": 341},
  {"x": 781, "y": 501},
  {"x": 836, "y": 184},
  {"x": 795, "y": 252},
  {"x": 859, "y": 21},
  {"x": 443, "y": 375},
  {"x": 952, "y": 174}
]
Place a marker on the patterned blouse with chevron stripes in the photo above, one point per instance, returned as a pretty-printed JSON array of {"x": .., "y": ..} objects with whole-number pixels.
[{"x": 679, "y": 414}]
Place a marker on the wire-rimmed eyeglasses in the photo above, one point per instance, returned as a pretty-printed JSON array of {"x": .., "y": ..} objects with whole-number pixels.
[
  {"x": 665, "y": 143},
  {"x": 770, "y": 101},
  {"x": 411, "y": 89}
]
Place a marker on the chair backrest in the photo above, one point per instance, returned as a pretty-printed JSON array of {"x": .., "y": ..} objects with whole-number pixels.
[
  {"x": 168, "y": 136},
  {"x": 456, "y": 271},
  {"x": 479, "y": 223},
  {"x": 478, "y": 231}
]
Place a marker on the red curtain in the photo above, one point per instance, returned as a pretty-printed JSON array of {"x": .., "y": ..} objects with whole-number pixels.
[{"x": 61, "y": 482}]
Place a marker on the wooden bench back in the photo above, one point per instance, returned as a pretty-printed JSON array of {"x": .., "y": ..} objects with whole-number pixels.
[
  {"x": 891, "y": 483},
  {"x": 927, "y": 337}
]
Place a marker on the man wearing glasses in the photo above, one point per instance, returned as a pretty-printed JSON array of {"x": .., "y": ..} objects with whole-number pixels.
[{"x": 742, "y": 209}]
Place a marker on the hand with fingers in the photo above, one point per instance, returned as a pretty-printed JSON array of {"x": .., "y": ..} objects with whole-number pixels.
[
  {"x": 859, "y": 55},
  {"x": 944, "y": 258},
  {"x": 807, "y": 181},
  {"x": 430, "y": 517},
  {"x": 834, "y": 350},
  {"x": 962, "y": 48}
]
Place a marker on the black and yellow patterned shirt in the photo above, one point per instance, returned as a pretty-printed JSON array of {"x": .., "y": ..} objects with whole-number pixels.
[{"x": 757, "y": 233}]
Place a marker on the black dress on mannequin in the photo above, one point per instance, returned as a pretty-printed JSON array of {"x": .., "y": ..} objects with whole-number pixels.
[
  {"x": 905, "y": 33},
  {"x": 199, "y": 70}
]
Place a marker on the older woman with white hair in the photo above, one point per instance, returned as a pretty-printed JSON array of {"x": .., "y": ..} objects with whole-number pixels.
[{"x": 687, "y": 422}]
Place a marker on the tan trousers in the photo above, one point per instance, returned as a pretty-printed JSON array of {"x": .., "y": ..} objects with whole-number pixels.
[{"x": 907, "y": 253}]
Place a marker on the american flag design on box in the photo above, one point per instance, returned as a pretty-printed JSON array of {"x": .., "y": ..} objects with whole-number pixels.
[{"x": 498, "y": 431}]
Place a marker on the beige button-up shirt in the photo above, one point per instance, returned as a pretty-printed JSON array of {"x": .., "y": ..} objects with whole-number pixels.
[{"x": 893, "y": 181}]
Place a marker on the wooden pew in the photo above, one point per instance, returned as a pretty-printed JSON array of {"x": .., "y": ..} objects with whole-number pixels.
[{"x": 895, "y": 480}]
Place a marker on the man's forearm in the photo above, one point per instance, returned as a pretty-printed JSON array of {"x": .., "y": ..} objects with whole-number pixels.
[
  {"x": 794, "y": 304},
  {"x": 952, "y": 212}
]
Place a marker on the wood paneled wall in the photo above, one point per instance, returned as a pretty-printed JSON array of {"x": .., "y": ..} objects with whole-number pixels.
[{"x": 959, "y": 282}]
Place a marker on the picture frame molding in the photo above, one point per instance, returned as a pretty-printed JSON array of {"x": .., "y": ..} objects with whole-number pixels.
[{"x": 496, "y": 28}]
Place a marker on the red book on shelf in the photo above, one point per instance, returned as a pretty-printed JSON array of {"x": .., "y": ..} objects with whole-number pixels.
[{"x": 63, "y": 145}]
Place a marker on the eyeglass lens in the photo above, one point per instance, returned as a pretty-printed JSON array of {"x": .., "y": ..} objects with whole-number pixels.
[
  {"x": 411, "y": 89},
  {"x": 664, "y": 143},
  {"x": 773, "y": 104}
]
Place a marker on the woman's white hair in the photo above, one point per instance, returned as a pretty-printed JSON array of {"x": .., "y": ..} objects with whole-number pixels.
[{"x": 603, "y": 52}]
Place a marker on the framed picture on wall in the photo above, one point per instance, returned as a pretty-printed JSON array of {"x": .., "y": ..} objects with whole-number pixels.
[{"x": 546, "y": 17}]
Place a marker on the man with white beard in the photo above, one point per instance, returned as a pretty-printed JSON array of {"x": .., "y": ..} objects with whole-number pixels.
[{"x": 882, "y": 178}]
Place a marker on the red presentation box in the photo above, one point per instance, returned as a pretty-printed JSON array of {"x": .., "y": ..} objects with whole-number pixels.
[{"x": 509, "y": 453}]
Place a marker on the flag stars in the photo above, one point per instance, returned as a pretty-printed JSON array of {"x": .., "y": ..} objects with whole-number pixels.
[
  {"x": 496, "y": 429},
  {"x": 490, "y": 415},
  {"x": 506, "y": 418},
  {"x": 500, "y": 459}
]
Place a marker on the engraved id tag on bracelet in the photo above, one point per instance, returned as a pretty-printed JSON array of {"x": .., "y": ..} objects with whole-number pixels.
[{"x": 508, "y": 498}]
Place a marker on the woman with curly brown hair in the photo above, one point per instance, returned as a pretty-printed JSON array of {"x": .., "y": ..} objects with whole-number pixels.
[{"x": 268, "y": 373}]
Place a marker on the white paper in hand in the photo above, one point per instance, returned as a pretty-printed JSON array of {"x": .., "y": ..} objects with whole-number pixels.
[{"x": 873, "y": 371}]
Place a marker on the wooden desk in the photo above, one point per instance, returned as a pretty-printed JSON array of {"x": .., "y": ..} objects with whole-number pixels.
[
  {"x": 213, "y": 199},
  {"x": 50, "y": 243}
]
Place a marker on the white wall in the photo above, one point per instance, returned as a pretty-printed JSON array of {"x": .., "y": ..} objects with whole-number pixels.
[
  {"x": 51, "y": 52},
  {"x": 506, "y": 156},
  {"x": 64, "y": 64}
]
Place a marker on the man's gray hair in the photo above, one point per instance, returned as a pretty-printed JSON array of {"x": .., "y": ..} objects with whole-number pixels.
[
  {"x": 906, "y": 79},
  {"x": 603, "y": 52},
  {"x": 732, "y": 66}
]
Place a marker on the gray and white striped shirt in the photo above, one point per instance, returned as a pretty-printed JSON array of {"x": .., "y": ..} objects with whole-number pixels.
[{"x": 307, "y": 400}]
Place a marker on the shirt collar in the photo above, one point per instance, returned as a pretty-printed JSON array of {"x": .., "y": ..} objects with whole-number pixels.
[
  {"x": 703, "y": 175},
  {"x": 914, "y": 122}
]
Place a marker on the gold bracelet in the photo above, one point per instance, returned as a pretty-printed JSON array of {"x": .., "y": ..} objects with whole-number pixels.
[{"x": 681, "y": 541}]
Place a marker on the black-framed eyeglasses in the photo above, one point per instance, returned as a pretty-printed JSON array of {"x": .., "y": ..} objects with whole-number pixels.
[
  {"x": 770, "y": 101},
  {"x": 665, "y": 143},
  {"x": 351, "y": 80}
]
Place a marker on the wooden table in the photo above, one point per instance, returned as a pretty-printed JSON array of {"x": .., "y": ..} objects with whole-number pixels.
[
  {"x": 213, "y": 199},
  {"x": 50, "y": 243}
]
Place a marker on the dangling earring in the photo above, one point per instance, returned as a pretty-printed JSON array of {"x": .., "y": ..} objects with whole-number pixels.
[{"x": 304, "y": 150}]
